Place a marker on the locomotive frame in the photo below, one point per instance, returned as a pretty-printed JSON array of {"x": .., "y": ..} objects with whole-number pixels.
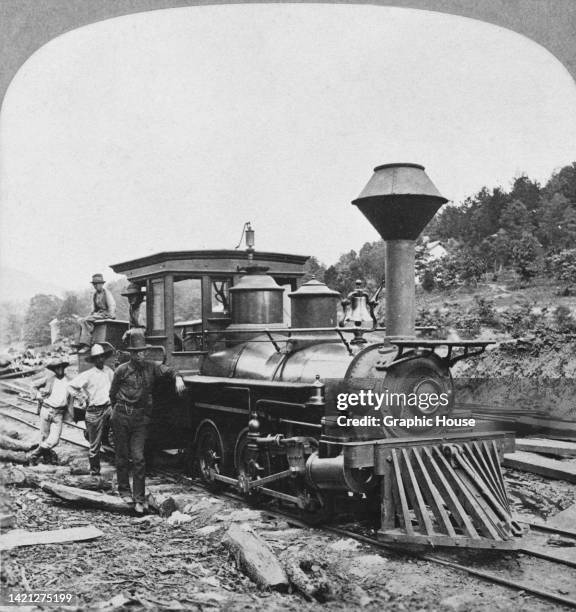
[{"x": 260, "y": 412}]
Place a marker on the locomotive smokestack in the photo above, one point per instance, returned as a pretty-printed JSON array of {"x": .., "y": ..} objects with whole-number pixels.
[{"x": 399, "y": 200}]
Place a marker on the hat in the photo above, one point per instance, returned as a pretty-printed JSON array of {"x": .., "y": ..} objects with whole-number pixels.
[
  {"x": 57, "y": 362},
  {"x": 96, "y": 351},
  {"x": 132, "y": 289},
  {"x": 97, "y": 278},
  {"x": 136, "y": 340}
]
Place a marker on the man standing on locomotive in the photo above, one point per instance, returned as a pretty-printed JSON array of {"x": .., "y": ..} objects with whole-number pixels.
[
  {"x": 135, "y": 299},
  {"x": 103, "y": 307},
  {"x": 95, "y": 382},
  {"x": 131, "y": 397}
]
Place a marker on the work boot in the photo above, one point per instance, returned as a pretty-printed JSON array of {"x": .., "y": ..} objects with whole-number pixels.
[
  {"x": 94, "y": 466},
  {"x": 35, "y": 455},
  {"x": 127, "y": 498},
  {"x": 50, "y": 457}
]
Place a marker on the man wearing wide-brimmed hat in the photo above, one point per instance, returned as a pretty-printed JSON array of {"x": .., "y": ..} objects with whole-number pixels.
[
  {"x": 103, "y": 307},
  {"x": 54, "y": 407},
  {"x": 135, "y": 299},
  {"x": 95, "y": 383},
  {"x": 131, "y": 397}
]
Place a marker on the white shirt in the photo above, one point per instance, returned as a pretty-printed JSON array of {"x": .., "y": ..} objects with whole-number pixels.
[
  {"x": 58, "y": 397},
  {"x": 96, "y": 382}
]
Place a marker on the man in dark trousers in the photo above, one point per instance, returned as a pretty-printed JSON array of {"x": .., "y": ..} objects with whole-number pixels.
[
  {"x": 131, "y": 398},
  {"x": 95, "y": 384}
]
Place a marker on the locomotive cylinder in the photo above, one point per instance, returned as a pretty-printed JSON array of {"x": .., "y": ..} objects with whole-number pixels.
[{"x": 331, "y": 474}]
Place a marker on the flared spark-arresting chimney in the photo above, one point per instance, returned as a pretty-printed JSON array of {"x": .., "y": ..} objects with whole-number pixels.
[{"x": 399, "y": 200}]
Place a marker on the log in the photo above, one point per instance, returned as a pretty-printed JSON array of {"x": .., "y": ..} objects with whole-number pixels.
[
  {"x": 255, "y": 558},
  {"x": 551, "y": 468},
  {"x": 10, "y": 456},
  {"x": 299, "y": 580},
  {"x": 163, "y": 504},
  {"x": 11, "y": 433},
  {"x": 558, "y": 448},
  {"x": 9, "y": 443},
  {"x": 307, "y": 576},
  {"x": 89, "y": 483},
  {"x": 82, "y": 497},
  {"x": 21, "y": 537},
  {"x": 11, "y": 475}
]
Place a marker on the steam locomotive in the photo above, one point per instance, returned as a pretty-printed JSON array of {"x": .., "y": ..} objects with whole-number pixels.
[{"x": 284, "y": 401}]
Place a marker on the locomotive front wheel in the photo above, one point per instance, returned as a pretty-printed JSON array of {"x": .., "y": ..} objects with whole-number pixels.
[{"x": 208, "y": 454}]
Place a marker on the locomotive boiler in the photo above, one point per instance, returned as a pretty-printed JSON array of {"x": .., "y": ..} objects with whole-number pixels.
[{"x": 285, "y": 401}]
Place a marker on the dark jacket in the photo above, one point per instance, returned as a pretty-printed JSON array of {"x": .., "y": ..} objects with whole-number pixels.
[{"x": 133, "y": 385}]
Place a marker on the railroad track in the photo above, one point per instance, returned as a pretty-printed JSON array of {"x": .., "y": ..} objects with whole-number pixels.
[
  {"x": 28, "y": 417},
  {"x": 531, "y": 588},
  {"x": 546, "y": 561}
]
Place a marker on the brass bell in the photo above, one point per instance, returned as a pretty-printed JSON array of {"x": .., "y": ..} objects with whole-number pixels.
[{"x": 357, "y": 307}]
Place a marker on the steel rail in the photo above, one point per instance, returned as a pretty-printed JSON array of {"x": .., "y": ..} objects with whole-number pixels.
[
  {"x": 34, "y": 413},
  {"x": 551, "y": 529},
  {"x": 20, "y": 420}
]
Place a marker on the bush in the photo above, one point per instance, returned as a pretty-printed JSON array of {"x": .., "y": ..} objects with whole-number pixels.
[
  {"x": 562, "y": 265},
  {"x": 564, "y": 320}
]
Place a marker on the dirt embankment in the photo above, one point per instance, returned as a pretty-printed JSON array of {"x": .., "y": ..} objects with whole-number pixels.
[{"x": 532, "y": 367}]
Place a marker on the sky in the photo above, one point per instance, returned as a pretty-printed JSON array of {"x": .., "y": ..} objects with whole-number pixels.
[{"x": 168, "y": 130}]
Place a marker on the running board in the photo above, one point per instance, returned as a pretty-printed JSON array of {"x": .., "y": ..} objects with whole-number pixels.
[{"x": 445, "y": 495}]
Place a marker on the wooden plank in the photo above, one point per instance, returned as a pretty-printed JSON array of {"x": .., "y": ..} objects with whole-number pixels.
[
  {"x": 558, "y": 448},
  {"x": 83, "y": 497},
  {"x": 536, "y": 464},
  {"x": 21, "y": 537},
  {"x": 565, "y": 519}
]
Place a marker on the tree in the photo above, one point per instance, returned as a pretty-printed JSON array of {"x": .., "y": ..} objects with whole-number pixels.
[
  {"x": 557, "y": 223},
  {"x": 372, "y": 260},
  {"x": 526, "y": 256},
  {"x": 41, "y": 310},
  {"x": 68, "y": 315},
  {"x": 313, "y": 268},
  {"x": 515, "y": 219},
  {"x": 485, "y": 211},
  {"x": 526, "y": 191},
  {"x": 563, "y": 265},
  {"x": 496, "y": 249},
  {"x": 11, "y": 320},
  {"x": 564, "y": 182}
]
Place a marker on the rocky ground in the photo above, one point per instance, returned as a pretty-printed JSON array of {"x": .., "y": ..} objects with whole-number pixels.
[{"x": 181, "y": 562}]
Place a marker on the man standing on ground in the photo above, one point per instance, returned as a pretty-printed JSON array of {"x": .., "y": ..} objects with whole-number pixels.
[
  {"x": 95, "y": 382},
  {"x": 54, "y": 407},
  {"x": 131, "y": 397},
  {"x": 103, "y": 307}
]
